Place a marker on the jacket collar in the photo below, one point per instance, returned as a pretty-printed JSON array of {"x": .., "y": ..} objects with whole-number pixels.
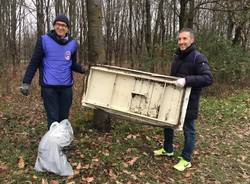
[
  {"x": 62, "y": 41},
  {"x": 184, "y": 53}
]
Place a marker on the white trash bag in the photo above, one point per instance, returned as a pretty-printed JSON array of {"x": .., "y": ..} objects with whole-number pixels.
[{"x": 50, "y": 156}]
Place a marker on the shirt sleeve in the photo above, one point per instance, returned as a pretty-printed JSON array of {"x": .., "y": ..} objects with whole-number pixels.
[
  {"x": 75, "y": 66},
  {"x": 203, "y": 76},
  {"x": 35, "y": 62}
]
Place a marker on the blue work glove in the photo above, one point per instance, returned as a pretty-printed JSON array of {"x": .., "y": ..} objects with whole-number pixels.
[{"x": 24, "y": 89}]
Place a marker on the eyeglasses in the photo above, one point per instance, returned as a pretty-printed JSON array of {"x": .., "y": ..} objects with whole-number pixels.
[{"x": 61, "y": 25}]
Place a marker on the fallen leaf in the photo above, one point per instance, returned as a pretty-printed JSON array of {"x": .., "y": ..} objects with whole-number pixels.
[
  {"x": 95, "y": 160},
  {"x": 71, "y": 182},
  {"x": 134, "y": 176},
  {"x": 196, "y": 152},
  {"x": 21, "y": 163},
  {"x": 88, "y": 179},
  {"x": 70, "y": 177},
  {"x": 74, "y": 164},
  {"x": 125, "y": 165},
  {"x": 85, "y": 166},
  {"x": 188, "y": 174},
  {"x": 129, "y": 150},
  {"x": 79, "y": 166},
  {"x": 28, "y": 182},
  {"x": 142, "y": 173},
  {"x": 112, "y": 174},
  {"x": 3, "y": 168},
  {"x": 217, "y": 182},
  {"x": 243, "y": 158},
  {"x": 131, "y": 162},
  {"x": 53, "y": 182},
  {"x": 106, "y": 153},
  {"x": 126, "y": 172},
  {"x": 76, "y": 172},
  {"x": 131, "y": 136},
  {"x": 148, "y": 138},
  {"x": 44, "y": 181}
]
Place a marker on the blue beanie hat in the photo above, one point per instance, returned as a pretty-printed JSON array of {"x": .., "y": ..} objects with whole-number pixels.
[{"x": 62, "y": 18}]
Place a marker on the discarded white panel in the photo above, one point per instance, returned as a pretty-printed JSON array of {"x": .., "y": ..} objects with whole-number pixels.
[{"x": 146, "y": 97}]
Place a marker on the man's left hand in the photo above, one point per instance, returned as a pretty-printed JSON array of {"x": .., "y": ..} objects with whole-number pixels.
[{"x": 86, "y": 68}]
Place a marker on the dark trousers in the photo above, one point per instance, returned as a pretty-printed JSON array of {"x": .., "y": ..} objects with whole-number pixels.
[
  {"x": 57, "y": 103},
  {"x": 189, "y": 142}
]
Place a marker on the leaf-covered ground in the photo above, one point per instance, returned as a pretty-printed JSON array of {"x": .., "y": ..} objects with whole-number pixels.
[{"x": 125, "y": 154}]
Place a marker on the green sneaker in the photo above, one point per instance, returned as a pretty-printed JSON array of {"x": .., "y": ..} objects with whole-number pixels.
[
  {"x": 162, "y": 152},
  {"x": 182, "y": 165}
]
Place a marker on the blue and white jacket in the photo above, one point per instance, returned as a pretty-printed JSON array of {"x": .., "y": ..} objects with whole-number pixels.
[{"x": 56, "y": 59}]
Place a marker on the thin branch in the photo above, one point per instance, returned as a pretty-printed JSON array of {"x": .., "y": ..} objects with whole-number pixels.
[{"x": 224, "y": 10}]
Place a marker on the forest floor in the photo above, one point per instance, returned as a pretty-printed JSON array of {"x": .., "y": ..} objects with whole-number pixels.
[{"x": 124, "y": 155}]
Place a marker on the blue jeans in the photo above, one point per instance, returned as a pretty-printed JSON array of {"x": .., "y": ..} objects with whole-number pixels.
[
  {"x": 57, "y": 103},
  {"x": 189, "y": 142}
]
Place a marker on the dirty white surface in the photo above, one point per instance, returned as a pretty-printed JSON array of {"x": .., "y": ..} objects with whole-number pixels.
[{"x": 146, "y": 97}]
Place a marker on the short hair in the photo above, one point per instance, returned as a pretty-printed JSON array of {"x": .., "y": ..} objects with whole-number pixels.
[{"x": 191, "y": 31}]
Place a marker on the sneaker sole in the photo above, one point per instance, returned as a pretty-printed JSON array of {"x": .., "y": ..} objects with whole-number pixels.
[
  {"x": 168, "y": 155},
  {"x": 188, "y": 166}
]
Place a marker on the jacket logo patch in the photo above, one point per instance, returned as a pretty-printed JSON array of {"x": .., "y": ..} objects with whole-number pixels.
[{"x": 67, "y": 55}]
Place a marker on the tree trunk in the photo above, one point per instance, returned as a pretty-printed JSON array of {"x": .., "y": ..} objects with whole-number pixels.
[
  {"x": 148, "y": 35},
  {"x": 182, "y": 16},
  {"x": 230, "y": 26},
  {"x": 148, "y": 28},
  {"x": 13, "y": 46},
  {"x": 58, "y": 7},
  {"x": 82, "y": 35},
  {"x": 237, "y": 36},
  {"x": 47, "y": 14},
  {"x": 96, "y": 54},
  {"x": 40, "y": 18},
  {"x": 174, "y": 18},
  {"x": 130, "y": 36},
  {"x": 191, "y": 13},
  {"x": 108, "y": 33},
  {"x": 72, "y": 16}
]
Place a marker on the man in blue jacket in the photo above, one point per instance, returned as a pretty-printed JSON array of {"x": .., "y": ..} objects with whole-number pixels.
[
  {"x": 193, "y": 69},
  {"x": 55, "y": 56}
]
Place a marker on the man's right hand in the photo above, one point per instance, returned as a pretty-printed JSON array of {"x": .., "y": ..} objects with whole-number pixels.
[
  {"x": 24, "y": 89},
  {"x": 180, "y": 82}
]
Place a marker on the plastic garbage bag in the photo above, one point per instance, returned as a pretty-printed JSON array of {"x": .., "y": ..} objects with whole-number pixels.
[
  {"x": 50, "y": 156},
  {"x": 62, "y": 133}
]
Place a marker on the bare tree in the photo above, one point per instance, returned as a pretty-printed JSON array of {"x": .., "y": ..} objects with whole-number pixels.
[
  {"x": 183, "y": 12},
  {"x": 40, "y": 17},
  {"x": 96, "y": 55},
  {"x": 47, "y": 13},
  {"x": 13, "y": 45},
  {"x": 130, "y": 35},
  {"x": 83, "y": 33},
  {"x": 72, "y": 15}
]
